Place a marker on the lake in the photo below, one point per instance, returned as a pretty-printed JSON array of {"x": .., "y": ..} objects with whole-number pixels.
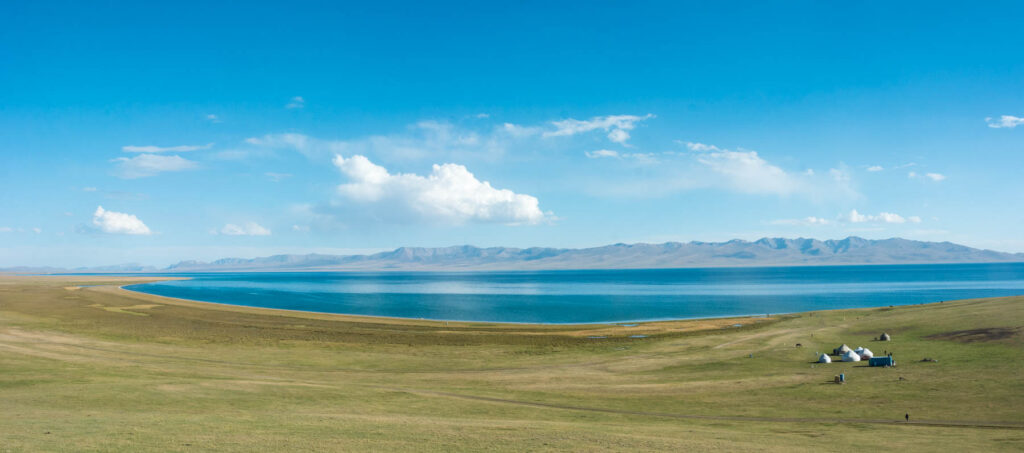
[{"x": 598, "y": 296}]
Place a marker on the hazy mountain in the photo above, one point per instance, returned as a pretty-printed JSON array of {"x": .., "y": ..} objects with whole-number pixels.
[{"x": 764, "y": 252}]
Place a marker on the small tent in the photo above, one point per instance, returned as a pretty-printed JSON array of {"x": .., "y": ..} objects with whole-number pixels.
[
  {"x": 824, "y": 358},
  {"x": 851, "y": 356},
  {"x": 884, "y": 337},
  {"x": 841, "y": 350},
  {"x": 865, "y": 353}
]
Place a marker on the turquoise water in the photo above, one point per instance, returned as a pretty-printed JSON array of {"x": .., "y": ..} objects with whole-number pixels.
[{"x": 598, "y": 296}]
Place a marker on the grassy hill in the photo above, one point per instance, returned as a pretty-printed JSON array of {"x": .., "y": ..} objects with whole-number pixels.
[{"x": 97, "y": 368}]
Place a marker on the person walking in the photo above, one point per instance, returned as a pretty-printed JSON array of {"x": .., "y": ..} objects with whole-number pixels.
[{"x": 907, "y": 416}]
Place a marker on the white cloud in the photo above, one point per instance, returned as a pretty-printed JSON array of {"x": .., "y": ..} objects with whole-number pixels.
[
  {"x": 875, "y": 168},
  {"x": 483, "y": 115},
  {"x": 6, "y": 229},
  {"x": 708, "y": 166},
  {"x": 213, "y": 118},
  {"x": 932, "y": 176},
  {"x": 839, "y": 175},
  {"x": 164, "y": 149},
  {"x": 296, "y": 102},
  {"x": 694, "y": 146},
  {"x": 618, "y": 136},
  {"x": 118, "y": 222},
  {"x": 617, "y": 126},
  {"x": 516, "y": 130},
  {"x": 1009, "y": 121},
  {"x": 643, "y": 158},
  {"x": 422, "y": 140},
  {"x": 449, "y": 194},
  {"x": 289, "y": 140},
  {"x": 882, "y": 217},
  {"x": 745, "y": 171},
  {"x": 89, "y": 189},
  {"x": 601, "y": 153},
  {"x": 145, "y": 165},
  {"x": 249, "y": 229},
  {"x": 37, "y": 230}
]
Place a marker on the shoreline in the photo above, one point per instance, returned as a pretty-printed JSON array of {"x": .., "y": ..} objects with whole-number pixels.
[
  {"x": 108, "y": 284},
  {"x": 730, "y": 321},
  {"x": 581, "y": 329}
]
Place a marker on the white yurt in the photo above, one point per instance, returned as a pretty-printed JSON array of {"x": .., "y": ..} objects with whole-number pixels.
[
  {"x": 864, "y": 353},
  {"x": 841, "y": 350},
  {"x": 851, "y": 356},
  {"x": 824, "y": 358}
]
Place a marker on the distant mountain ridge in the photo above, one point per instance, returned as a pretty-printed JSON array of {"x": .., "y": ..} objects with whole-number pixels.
[{"x": 763, "y": 252}]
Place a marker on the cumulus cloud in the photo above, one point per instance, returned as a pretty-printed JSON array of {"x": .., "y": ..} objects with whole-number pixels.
[
  {"x": 618, "y": 136},
  {"x": 145, "y": 165},
  {"x": 118, "y": 222},
  {"x": 450, "y": 194},
  {"x": 1008, "y": 121},
  {"x": 248, "y": 229},
  {"x": 875, "y": 168},
  {"x": 617, "y": 126},
  {"x": 883, "y": 217},
  {"x": 296, "y": 102},
  {"x": 164, "y": 149}
]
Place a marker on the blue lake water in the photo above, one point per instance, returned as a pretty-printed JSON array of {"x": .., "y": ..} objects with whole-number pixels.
[{"x": 598, "y": 296}]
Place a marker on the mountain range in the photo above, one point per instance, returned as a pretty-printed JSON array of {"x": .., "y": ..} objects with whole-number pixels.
[{"x": 763, "y": 252}]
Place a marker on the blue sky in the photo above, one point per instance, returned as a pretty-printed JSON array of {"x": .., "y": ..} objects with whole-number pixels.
[{"x": 153, "y": 133}]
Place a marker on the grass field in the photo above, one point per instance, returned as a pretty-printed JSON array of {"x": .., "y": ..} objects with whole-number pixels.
[{"x": 96, "y": 368}]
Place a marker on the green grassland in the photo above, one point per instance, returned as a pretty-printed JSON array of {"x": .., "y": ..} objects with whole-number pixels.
[{"x": 96, "y": 368}]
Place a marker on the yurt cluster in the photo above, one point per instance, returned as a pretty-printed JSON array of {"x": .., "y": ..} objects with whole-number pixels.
[{"x": 846, "y": 354}]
